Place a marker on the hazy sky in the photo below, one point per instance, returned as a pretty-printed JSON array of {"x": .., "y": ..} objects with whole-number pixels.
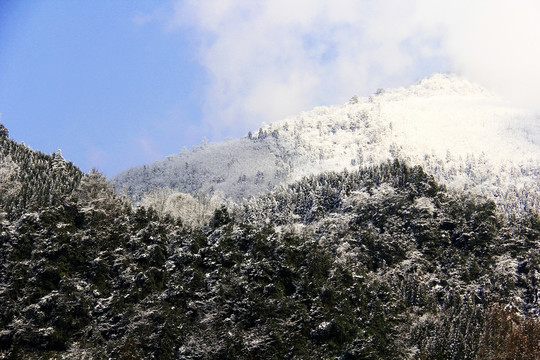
[{"x": 121, "y": 83}]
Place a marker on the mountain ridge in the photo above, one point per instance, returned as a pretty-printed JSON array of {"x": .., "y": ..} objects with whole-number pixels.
[{"x": 445, "y": 123}]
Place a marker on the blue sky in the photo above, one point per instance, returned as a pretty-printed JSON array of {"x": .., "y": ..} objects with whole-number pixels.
[
  {"x": 83, "y": 76},
  {"x": 115, "y": 84}
]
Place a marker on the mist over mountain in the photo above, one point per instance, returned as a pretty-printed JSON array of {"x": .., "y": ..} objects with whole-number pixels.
[{"x": 459, "y": 132}]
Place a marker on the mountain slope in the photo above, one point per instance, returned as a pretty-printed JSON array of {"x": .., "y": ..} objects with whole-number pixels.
[
  {"x": 30, "y": 179},
  {"x": 456, "y": 130},
  {"x": 381, "y": 263}
]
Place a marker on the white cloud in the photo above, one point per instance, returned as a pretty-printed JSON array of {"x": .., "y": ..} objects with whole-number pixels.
[
  {"x": 271, "y": 59},
  {"x": 496, "y": 43}
]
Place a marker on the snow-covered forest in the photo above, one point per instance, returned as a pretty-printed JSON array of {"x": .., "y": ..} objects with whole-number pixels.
[
  {"x": 465, "y": 137},
  {"x": 377, "y": 261}
]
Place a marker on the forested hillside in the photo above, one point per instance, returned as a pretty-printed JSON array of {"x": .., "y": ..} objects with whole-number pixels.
[
  {"x": 30, "y": 180},
  {"x": 377, "y": 263}
]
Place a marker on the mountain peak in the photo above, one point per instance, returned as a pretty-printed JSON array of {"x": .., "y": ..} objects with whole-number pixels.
[
  {"x": 438, "y": 84},
  {"x": 449, "y": 82}
]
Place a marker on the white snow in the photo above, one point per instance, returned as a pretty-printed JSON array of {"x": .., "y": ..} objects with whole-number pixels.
[{"x": 458, "y": 131}]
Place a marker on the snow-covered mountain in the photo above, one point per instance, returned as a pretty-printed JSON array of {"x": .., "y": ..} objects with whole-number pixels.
[
  {"x": 381, "y": 262},
  {"x": 458, "y": 131}
]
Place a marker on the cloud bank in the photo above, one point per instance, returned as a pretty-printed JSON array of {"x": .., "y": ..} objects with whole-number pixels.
[{"x": 266, "y": 60}]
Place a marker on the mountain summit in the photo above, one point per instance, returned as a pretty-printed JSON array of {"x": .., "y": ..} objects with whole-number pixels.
[{"x": 458, "y": 131}]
